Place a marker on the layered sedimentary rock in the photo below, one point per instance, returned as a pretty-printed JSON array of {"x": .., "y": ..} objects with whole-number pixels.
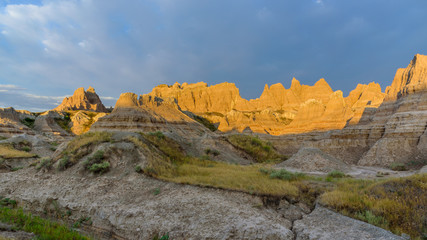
[
  {"x": 410, "y": 79},
  {"x": 10, "y": 121},
  {"x": 147, "y": 114},
  {"x": 82, "y": 100},
  {"x": 394, "y": 132},
  {"x": 300, "y": 108}
]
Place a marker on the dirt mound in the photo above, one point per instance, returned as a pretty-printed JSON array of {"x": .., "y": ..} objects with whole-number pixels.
[{"x": 313, "y": 160}]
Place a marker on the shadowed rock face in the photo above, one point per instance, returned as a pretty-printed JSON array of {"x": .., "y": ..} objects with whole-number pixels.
[
  {"x": 82, "y": 100},
  {"x": 278, "y": 111}
]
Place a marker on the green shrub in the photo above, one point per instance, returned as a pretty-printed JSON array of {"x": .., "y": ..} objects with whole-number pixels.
[
  {"x": 138, "y": 169},
  {"x": 7, "y": 202},
  {"x": 157, "y": 134},
  {"x": 26, "y": 149},
  {"x": 336, "y": 174},
  {"x": 156, "y": 191},
  {"x": 29, "y": 122},
  {"x": 260, "y": 150},
  {"x": 100, "y": 167},
  {"x": 45, "y": 163},
  {"x": 369, "y": 217},
  {"x": 283, "y": 174},
  {"x": 398, "y": 167},
  {"x": 163, "y": 237},
  {"x": 64, "y": 163},
  {"x": 213, "y": 152},
  {"x": 96, "y": 163}
]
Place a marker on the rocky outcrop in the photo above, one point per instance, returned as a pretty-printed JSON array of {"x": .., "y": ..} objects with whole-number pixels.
[
  {"x": 393, "y": 132},
  {"x": 10, "y": 121},
  {"x": 324, "y": 224},
  {"x": 313, "y": 160},
  {"x": 148, "y": 114},
  {"x": 278, "y": 111},
  {"x": 82, "y": 100},
  {"x": 409, "y": 80}
]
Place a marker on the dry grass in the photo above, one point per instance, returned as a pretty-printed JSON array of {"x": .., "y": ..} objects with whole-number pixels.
[
  {"x": 235, "y": 177},
  {"x": 397, "y": 204},
  {"x": 88, "y": 139},
  {"x": 7, "y": 151},
  {"x": 260, "y": 150},
  {"x": 175, "y": 166}
]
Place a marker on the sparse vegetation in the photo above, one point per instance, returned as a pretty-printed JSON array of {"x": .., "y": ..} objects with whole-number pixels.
[
  {"x": 87, "y": 139},
  {"x": 45, "y": 163},
  {"x": 64, "y": 122},
  {"x": 44, "y": 229},
  {"x": 261, "y": 151},
  {"x": 138, "y": 169},
  {"x": 398, "y": 167},
  {"x": 29, "y": 122},
  {"x": 96, "y": 163},
  {"x": 212, "y": 152},
  {"x": 163, "y": 237},
  {"x": 64, "y": 162},
  {"x": 283, "y": 174},
  {"x": 176, "y": 166},
  {"x": 156, "y": 191},
  {"x": 396, "y": 204},
  {"x": 78, "y": 147},
  {"x": 8, "y": 151},
  {"x": 336, "y": 174},
  {"x": 205, "y": 122},
  {"x": 82, "y": 220}
]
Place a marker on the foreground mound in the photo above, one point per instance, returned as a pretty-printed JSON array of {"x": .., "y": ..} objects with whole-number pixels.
[{"x": 314, "y": 160}]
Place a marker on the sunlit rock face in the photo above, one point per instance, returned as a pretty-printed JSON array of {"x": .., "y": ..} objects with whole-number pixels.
[
  {"x": 394, "y": 132},
  {"x": 82, "y": 100},
  {"x": 277, "y": 111}
]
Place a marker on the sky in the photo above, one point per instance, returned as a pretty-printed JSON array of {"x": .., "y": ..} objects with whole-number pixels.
[{"x": 49, "y": 48}]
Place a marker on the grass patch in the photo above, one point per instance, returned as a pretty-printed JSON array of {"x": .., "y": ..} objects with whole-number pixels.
[
  {"x": 44, "y": 229},
  {"x": 283, "y": 174},
  {"x": 96, "y": 163},
  {"x": 29, "y": 122},
  {"x": 90, "y": 138},
  {"x": 175, "y": 166},
  {"x": 261, "y": 151},
  {"x": 336, "y": 174},
  {"x": 397, "y": 204},
  {"x": 398, "y": 167},
  {"x": 8, "y": 151},
  {"x": 78, "y": 147}
]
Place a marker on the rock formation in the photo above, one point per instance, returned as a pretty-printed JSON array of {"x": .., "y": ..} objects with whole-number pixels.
[
  {"x": 82, "y": 100},
  {"x": 278, "y": 111},
  {"x": 395, "y": 132},
  {"x": 10, "y": 121},
  {"x": 147, "y": 114}
]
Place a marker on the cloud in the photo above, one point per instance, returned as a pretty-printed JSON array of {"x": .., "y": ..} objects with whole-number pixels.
[
  {"x": 22, "y": 99},
  {"x": 53, "y": 47}
]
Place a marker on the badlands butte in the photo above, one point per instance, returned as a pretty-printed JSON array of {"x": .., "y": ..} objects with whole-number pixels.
[{"x": 192, "y": 161}]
